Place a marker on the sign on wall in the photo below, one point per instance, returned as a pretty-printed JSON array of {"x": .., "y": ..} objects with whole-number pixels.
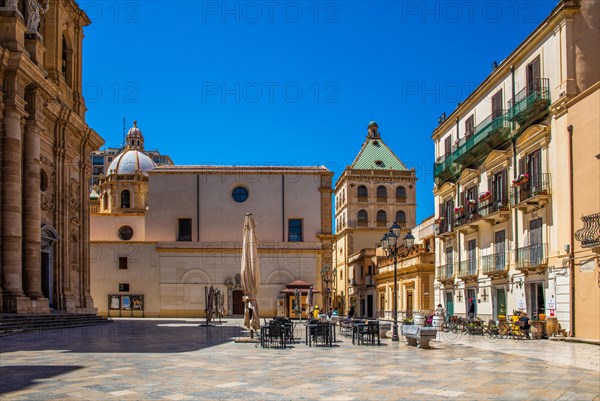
[{"x": 125, "y": 303}]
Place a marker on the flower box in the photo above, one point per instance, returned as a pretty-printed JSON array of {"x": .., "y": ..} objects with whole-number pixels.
[
  {"x": 459, "y": 209},
  {"x": 485, "y": 196}
]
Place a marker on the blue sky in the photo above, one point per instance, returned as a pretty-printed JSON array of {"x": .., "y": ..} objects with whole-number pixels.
[{"x": 292, "y": 82}]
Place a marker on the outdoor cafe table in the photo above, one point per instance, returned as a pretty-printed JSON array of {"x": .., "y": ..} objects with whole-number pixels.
[
  {"x": 311, "y": 327},
  {"x": 356, "y": 327}
]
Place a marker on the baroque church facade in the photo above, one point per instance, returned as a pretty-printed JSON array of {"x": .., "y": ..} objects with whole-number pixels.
[
  {"x": 45, "y": 158},
  {"x": 162, "y": 235}
]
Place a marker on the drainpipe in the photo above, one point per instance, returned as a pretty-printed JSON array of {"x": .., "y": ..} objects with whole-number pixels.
[
  {"x": 572, "y": 232},
  {"x": 515, "y": 166}
]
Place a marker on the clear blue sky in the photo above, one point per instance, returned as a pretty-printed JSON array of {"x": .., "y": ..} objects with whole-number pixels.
[{"x": 292, "y": 82}]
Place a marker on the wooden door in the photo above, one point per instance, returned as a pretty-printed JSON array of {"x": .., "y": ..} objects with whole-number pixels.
[{"x": 238, "y": 303}]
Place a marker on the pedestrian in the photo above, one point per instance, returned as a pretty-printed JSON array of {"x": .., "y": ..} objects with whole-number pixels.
[
  {"x": 351, "y": 312},
  {"x": 471, "y": 308},
  {"x": 440, "y": 311}
]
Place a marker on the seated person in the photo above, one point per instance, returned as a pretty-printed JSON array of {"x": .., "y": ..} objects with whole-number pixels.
[{"x": 524, "y": 323}]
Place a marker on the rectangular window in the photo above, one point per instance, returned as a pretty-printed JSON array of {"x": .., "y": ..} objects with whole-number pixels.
[
  {"x": 184, "y": 232},
  {"x": 295, "y": 230},
  {"x": 122, "y": 262},
  {"x": 470, "y": 126},
  {"x": 123, "y": 287},
  {"x": 497, "y": 104},
  {"x": 533, "y": 76},
  {"x": 448, "y": 146}
]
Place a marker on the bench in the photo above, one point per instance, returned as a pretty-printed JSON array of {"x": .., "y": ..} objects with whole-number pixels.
[{"x": 422, "y": 335}]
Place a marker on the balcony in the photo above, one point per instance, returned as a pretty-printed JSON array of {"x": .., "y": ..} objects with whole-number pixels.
[
  {"x": 494, "y": 210},
  {"x": 532, "y": 257},
  {"x": 445, "y": 273},
  {"x": 362, "y": 199},
  {"x": 382, "y": 224},
  {"x": 468, "y": 269},
  {"x": 400, "y": 199},
  {"x": 382, "y": 199},
  {"x": 469, "y": 215},
  {"x": 495, "y": 265},
  {"x": 491, "y": 133},
  {"x": 444, "y": 228},
  {"x": 362, "y": 224},
  {"x": 589, "y": 235},
  {"x": 532, "y": 192},
  {"x": 531, "y": 103},
  {"x": 445, "y": 168}
]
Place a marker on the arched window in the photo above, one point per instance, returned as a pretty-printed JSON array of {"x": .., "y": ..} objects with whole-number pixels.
[
  {"x": 381, "y": 218},
  {"x": 362, "y": 193},
  {"x": 105, "y": 201},
  {"x": 125, "y": 199},
  {"x": 381, "y": 194},
  {"x": 362, "y": 219},
  {"x": 401, "y": 218},
  {"x": 401, "y": 194}
]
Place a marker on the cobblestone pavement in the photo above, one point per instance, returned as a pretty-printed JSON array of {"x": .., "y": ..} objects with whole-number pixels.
[{"x": 175, "y": 359}]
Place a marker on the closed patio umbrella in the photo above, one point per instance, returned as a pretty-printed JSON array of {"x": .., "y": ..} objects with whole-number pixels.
[
  {"x": 297, "y": 306},
  {"x": 250, "y": 275},
  {"x": 309, "y": 302}
]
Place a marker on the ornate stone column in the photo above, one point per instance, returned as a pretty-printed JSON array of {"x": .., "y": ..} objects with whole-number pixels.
[
  {"x": 12, "y": 283},
  {"x": 32, "y": 275}
]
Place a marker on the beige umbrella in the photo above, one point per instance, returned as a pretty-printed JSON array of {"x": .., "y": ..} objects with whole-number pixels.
[
  {"x": 309, "y": 303},
  {"x": 250, "y": 275}
]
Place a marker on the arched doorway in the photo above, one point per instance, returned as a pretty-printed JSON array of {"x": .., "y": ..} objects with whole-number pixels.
[
  {"x": 238, "y": 302},
  {"x": 49, "y": 238}
]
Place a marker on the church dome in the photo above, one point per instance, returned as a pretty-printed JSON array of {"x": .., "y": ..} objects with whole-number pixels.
[{"x": 130, "y": 161}]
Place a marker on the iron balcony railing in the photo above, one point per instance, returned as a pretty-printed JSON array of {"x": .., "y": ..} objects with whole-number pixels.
[
  {"x": 589, "y": 235},
  {"x": 469, "y": 214},
  {"x": 532, "y": 256},
  {"x": 468, "y": 268},
  {"x": 490, "y": 133},
  {"x": 533, "y": 186},
  {"x": 382, "y": 199},
  {"x": 485, "y": 132},
  {"x": 445, "y": 272},
  {"x": 400, "y": 199},
  {"x": 362, "y": 199},
  {"x": 445, "y": 226},
  {"x": 529, "y": 102},
  {"x": 492, "y": 206},
  {"x": 494, "y": 263}
]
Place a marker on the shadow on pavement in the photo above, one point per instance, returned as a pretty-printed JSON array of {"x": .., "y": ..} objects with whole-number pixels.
[
  {"x": 14, "y": 378},
  {"x": 127, "y": 336}
]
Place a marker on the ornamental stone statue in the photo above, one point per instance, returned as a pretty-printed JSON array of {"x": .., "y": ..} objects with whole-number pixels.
[{"x": 35, "y": 10}]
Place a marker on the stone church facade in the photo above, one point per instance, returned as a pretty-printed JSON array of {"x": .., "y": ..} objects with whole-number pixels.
[{"x": 45, "y": 158}]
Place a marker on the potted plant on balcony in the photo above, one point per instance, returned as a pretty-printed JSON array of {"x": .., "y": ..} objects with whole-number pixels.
[
  {"x": 439, "y": 220},
  {"x": 522, "y": 179},
  {"x": 459, "y": 209},
  {"x": 485, "y": 196},
  {"x": 472, "y": 202}
]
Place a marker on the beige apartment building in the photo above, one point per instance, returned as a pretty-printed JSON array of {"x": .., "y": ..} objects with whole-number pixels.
[
  {"x": 161, "y": 236},
  {"x": 372, "y": 193},
  {"x": 414, "y": 272},
  {"x": 503, "y": 194},
  {"x": 45, "y": 148}
]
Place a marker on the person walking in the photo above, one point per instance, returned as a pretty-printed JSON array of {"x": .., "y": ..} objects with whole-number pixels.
[{"x": 471, "y": 308}]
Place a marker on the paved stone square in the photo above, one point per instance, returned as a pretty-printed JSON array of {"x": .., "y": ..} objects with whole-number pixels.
[{"x": 175, "y": 359}]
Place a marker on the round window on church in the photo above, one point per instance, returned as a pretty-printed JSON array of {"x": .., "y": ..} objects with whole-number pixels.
[
  {"x": 125, "y": 233},
  {"x": 240, "y": 194}
]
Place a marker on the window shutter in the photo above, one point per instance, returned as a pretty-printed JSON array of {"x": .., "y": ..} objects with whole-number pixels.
[
  {"x": 522, "y": 165},
  {"x": 503, "y": 175}
]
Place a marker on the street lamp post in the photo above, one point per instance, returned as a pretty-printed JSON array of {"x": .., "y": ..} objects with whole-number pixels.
[
  {"x": 390, "y": 245},
  {"x": 325, "y": 278}
]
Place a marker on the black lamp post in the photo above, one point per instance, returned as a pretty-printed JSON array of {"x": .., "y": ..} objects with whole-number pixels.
[
  {"x": 390, "y": 245},
  {"x": 325, "y": 278}
]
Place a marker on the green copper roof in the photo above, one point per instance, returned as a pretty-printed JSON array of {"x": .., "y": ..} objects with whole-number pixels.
[{"x": 375, "y": 155}]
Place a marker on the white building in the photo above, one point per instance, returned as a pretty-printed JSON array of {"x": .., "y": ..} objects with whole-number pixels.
[{"x": 502, "y": 198}]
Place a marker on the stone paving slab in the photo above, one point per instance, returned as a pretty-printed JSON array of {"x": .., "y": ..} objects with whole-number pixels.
[{"x": 175, "y": 359}]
